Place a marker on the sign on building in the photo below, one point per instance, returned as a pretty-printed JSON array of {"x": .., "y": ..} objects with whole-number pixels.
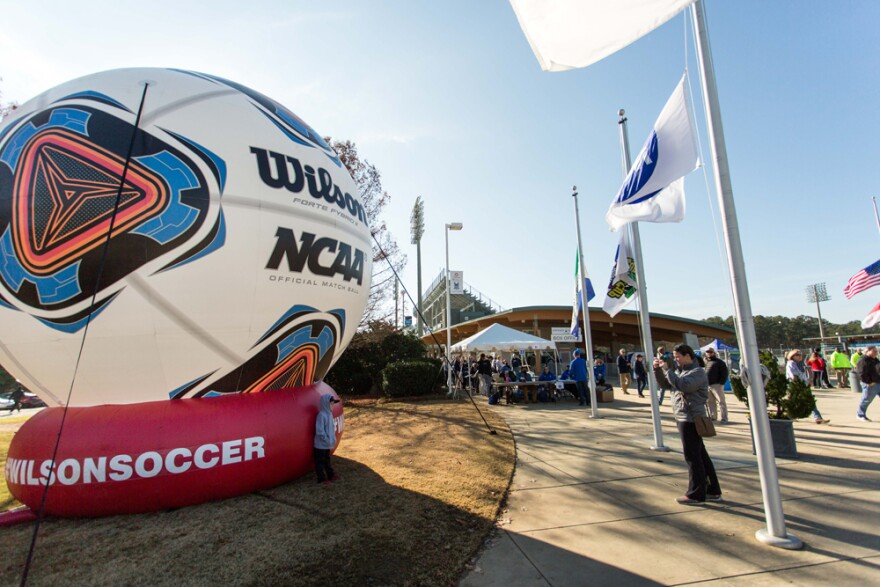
[{"x": 563, "y": 334}]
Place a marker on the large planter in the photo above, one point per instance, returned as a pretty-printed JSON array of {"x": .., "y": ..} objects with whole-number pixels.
[
  {"x": 855, "y": 383},
  {"x": 782, "y": 433}
]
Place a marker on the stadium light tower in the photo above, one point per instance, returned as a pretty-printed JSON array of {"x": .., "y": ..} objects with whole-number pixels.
[
  {"x": 818, "y": 293},
  {"x": 417, "y": 230}
]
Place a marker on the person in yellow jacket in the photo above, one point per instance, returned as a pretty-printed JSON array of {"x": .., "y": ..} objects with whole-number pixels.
[
  {"x": 840, "y": 364},
  {"x": 854, "y": 359}
]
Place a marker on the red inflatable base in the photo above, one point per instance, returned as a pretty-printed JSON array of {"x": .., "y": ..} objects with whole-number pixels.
[
  {"x": 118, "y": 459},
  {"x": 17, "y": 516}
]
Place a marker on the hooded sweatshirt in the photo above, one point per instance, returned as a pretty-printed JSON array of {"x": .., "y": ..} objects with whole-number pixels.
[{"x": 325, "y": 430}]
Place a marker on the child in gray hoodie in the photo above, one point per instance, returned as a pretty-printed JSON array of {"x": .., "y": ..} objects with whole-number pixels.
[{"x": 325, "y": 440}]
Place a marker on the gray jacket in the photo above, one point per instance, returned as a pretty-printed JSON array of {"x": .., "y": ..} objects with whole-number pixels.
[
  {"x": 691, "y": 384},
  {"x": 325, "y": 428}
]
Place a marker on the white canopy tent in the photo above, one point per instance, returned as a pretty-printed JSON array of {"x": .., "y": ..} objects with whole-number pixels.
[{"x": 500, "y": 338}]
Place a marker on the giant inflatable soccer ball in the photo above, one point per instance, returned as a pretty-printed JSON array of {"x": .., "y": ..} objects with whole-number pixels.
[{"x": 170, "y": 235}]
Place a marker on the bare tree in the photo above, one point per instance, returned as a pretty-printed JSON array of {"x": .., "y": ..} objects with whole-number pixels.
[{"x": 386, "y": 253}]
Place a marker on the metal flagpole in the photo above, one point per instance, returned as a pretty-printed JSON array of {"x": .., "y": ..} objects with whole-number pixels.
[
  {"x": 775, "y": 534},
  {"x": 644, "y": 317},
  {"x": 876, "y": 216},
  {"x": 588, "y": 337}
]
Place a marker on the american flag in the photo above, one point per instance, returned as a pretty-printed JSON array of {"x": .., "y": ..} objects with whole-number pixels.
[{"x": 864, "y": 279}]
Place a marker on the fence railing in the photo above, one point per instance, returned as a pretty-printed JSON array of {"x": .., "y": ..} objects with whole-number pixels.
[{"x": 471, "y": 291}]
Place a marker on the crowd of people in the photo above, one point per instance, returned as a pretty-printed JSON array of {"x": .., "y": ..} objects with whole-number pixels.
[
  {"x": 480, "y": 374},
  {"x": 695, "y": 382}
]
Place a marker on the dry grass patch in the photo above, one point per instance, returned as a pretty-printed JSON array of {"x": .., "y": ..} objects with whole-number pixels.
[
  {"x": 422, "y": 484},
  {"x": 8, "y": 426}
]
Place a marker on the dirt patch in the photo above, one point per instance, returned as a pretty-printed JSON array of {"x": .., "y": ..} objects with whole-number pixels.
[{"x": 421, "y": 485}]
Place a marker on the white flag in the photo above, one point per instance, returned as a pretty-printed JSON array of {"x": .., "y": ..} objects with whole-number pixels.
[
  {"x": 873, "y": 317},
  {"x": 565, "y": 34},
  {"x": 653, "y": 190},
  {"x": 577, "y": 304},
  {"x": 622, "y": 286}
]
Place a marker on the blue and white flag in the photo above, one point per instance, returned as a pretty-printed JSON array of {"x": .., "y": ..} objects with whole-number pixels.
[
  {"x": 622, "y": 286},
  {"x": 577, "y": 305},
  {"x": 653, "y": 190}
]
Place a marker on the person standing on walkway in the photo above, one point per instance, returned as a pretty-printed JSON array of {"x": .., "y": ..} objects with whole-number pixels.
[
  {"x": 484, "y": 369},
  {"x": 690, "y": 390},
  {"x": 817, "y": 367},
  {"x": 795, "y": 369},
  {"x": 580, "y": 376},
  {"x": 640, "y": 374},
  {"x": 716, "y": 373},
  {"x": 826, "y": 383},
  {"x": 869, "y": 375},
  {"x": 666, "y": 358},
  {"x": 855, "y": 358},
  {"x": 840, "y": 364},
  {"x": 624, "y": 368}
]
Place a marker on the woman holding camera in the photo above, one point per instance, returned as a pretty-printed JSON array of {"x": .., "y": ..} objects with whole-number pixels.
[{"x": 690, "y": 391}]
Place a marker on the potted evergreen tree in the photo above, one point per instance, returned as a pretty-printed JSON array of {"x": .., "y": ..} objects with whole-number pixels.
[{"x": 790, "y": 400}]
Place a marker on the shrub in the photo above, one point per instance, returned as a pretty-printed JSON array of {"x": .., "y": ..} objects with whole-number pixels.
[
  {"x": 402, "y": 347},
  {"x": 791, "y": 399},
  {"x": 406, "y": 378},
  {"x": 800, "y": 402},
  {"x": 350, "y": 375},
  {"x": 359, "y": 370}
]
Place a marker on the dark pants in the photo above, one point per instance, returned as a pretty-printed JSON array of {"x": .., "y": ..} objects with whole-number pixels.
[
  {"x": 701, "y": 471},
  {"x": 641, "y": 383},
  {"x": 322, "y": 464},
  {"x": 583, "y": 392}
]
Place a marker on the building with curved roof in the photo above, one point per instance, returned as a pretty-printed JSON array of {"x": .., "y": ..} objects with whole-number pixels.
[{"x": 608, "y": 334}]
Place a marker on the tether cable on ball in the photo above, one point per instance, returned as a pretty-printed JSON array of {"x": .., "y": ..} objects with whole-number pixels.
[{"x": 101, "y": 265}]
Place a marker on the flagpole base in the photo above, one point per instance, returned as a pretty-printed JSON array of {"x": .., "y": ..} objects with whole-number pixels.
[
  {"x": 660, "y": 448},
  {"x": 596, "y": 417},
  {"x": 789, "y": 542}
]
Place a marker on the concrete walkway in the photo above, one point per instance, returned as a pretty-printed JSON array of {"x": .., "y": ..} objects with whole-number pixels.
[{"x": 591, "y": 504}]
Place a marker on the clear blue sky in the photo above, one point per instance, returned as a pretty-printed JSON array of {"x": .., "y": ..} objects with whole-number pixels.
[{"x": 448, "y": 101}]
